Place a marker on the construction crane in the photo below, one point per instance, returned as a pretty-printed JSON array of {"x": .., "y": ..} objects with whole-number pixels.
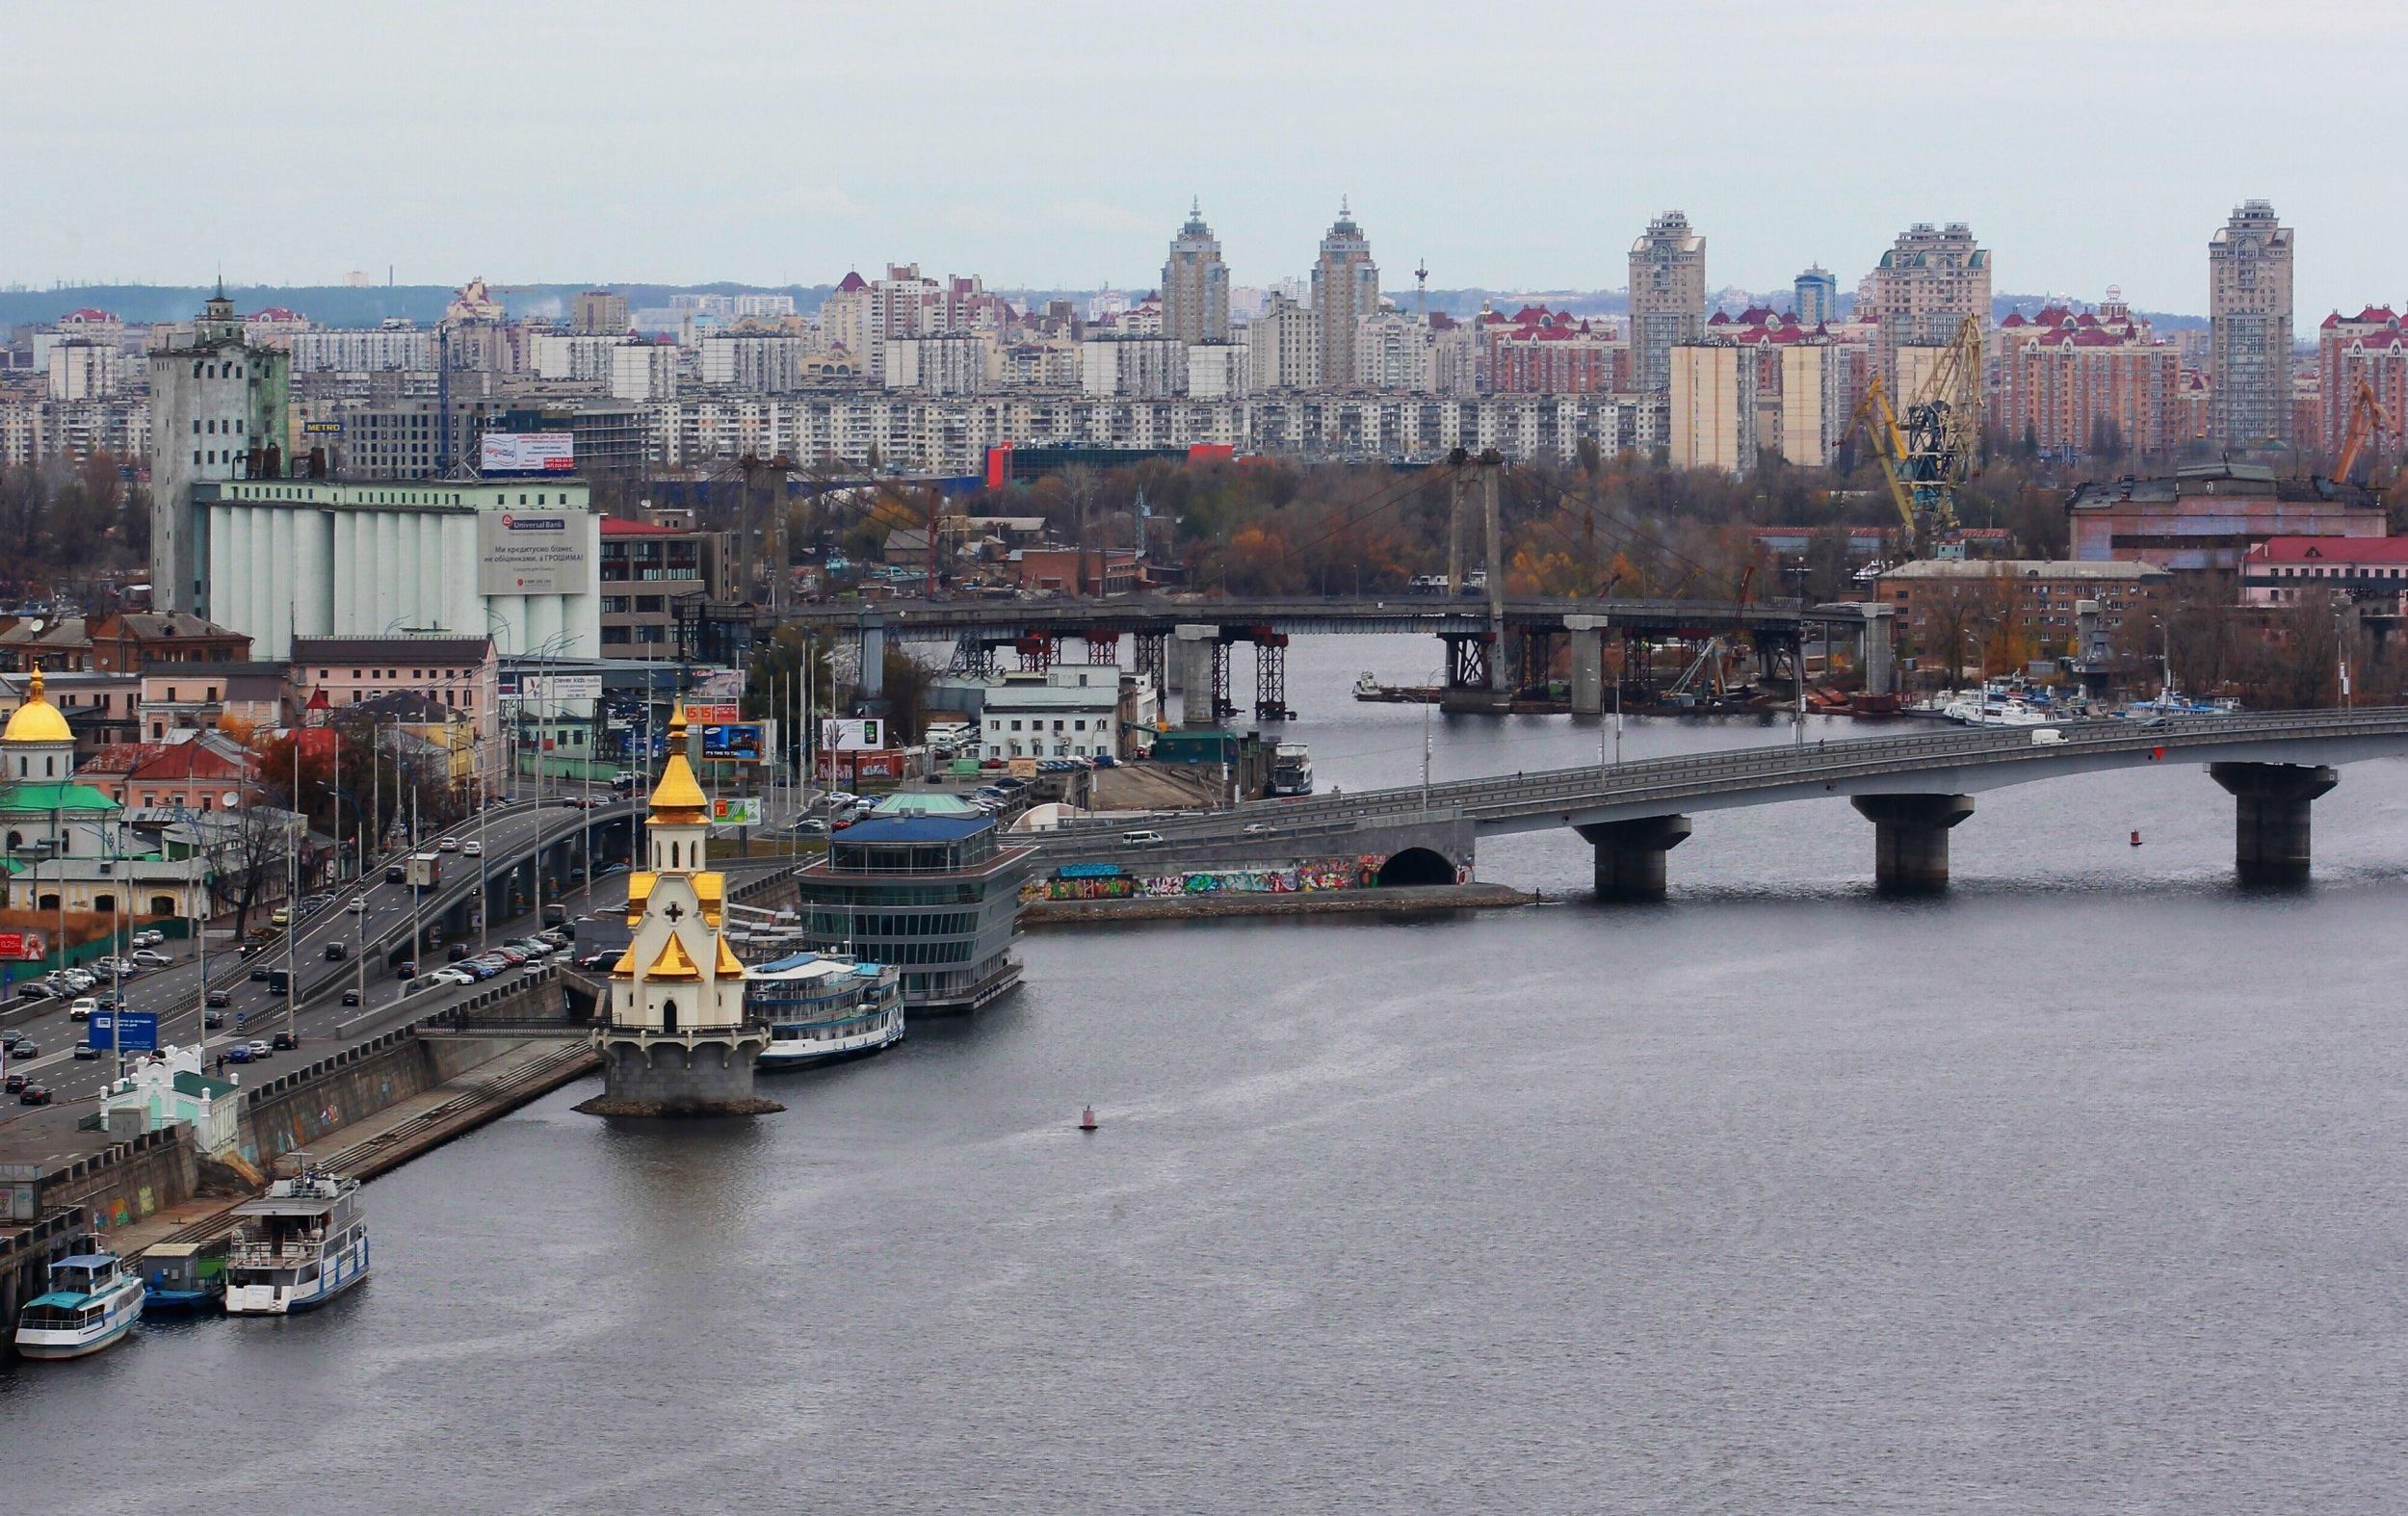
[
  {"x": 1935, "y": 447},
  {"x": 2368, "y": 421}
]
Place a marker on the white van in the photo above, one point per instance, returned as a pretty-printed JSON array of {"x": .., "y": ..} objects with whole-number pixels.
[
  {"x": 1140, "y": 839},
  {"x": 2046, "y": 737}
]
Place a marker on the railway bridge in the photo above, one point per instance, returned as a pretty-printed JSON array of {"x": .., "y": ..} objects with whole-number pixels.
[{"x": 1913, "y": 789}]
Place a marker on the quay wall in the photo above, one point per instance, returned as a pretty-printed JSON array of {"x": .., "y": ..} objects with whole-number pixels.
[
  {"x": 26, "y": 1257},
  {"x": 127, "y": 1181}
]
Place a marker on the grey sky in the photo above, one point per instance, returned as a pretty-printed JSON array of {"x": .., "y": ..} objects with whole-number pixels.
[{"x": 2088, "y": 144}]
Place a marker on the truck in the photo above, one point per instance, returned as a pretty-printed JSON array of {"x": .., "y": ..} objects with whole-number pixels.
[{"x": 425, "y": 870}]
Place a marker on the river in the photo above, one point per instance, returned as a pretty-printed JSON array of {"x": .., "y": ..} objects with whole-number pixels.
[{"x": 2078, "y": 1189}]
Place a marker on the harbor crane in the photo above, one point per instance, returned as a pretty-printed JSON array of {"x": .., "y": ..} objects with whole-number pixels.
[
  {"x": 1936, "y": 446},
  {"x": 2368, "y": 421}
]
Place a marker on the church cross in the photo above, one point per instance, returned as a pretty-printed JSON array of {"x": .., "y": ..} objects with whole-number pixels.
[{"x": 675, "y": 912}]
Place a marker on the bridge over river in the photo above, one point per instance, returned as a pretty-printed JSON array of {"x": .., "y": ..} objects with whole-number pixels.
[{"x": 1913, "y": 789}]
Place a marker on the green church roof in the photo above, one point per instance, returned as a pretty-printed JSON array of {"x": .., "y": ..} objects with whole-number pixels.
[{"x": 61, "y": 796}]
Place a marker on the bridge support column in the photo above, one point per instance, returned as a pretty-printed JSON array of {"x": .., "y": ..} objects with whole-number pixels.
[
  {"x": 1199, "y": 648},
  {"x": 2270, "y": 803},
  {"x": 1588, "y": 664},
  {"x": 872, "y": 656},
  {"x": 1910, "y": 839},
  {"x": 1630, "y": 855},
  {"x": 1880, "y": 664}
]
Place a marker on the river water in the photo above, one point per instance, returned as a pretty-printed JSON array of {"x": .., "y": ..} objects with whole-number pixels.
[{"x": 2079, "y": 1190}]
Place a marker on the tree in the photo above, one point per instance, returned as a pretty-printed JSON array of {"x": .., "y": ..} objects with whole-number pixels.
[{"x": 242, "y": 850}]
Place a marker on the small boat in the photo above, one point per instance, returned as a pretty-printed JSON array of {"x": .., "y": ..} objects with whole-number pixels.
[
  {"x": 184, "y": 1278},
  {"x": 302, "y": 1245},
  {"x": 825, "y": 1007},
  {"x": 1367, "y": 686},
  {"x": 92, "y": 1302}
]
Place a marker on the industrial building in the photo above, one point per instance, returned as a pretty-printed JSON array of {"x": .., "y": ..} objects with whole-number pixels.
[{"x": 2210, "y": 516}]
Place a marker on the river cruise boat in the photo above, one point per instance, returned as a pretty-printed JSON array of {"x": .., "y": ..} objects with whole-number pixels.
[
  {"x": 298, "y": 1246},
  {"x": 92, "y": 1302},
  {"x": 824, "y": 1008},
  {"x": 184, "y": 1278}
]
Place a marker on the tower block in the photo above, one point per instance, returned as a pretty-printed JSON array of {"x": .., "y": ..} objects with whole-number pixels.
[{"x": 677, "y": 1042}]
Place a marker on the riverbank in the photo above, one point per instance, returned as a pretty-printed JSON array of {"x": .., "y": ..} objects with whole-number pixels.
[{"x": 1410, "y": 899}]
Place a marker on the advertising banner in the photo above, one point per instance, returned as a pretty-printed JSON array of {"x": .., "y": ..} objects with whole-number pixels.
[
  {"x": 720, "y": 684},
  {"x": 738, "y": 741},
  {"x": 527, "y": 453},
  {"x": 743, "y": 810},
  {"x": 534, "y": 553},
  {"x": 17, "y": 945},
  {"x": 703, "y": 712},
  {"x": 1023, "y": 768},
  {"x": 848, "y": 735},
  {"x": 560, "y": 689},
  {"x": 128, "y": 1031}
]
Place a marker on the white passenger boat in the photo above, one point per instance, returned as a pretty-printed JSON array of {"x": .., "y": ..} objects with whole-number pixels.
[
  {"x": 92, "y": 1302},
  {"x": 824, "y": 1008},
  {"x": 302, "y": 1245}
]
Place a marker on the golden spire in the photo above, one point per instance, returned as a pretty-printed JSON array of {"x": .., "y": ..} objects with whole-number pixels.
[
  {"x": 677, "y": 800},
  {"x": 36, "y": 720}
]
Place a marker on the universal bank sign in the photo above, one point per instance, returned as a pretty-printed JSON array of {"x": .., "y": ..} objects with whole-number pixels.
[{"x": 534, "y": 553}]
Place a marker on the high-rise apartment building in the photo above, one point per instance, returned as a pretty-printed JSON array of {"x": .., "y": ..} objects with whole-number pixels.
[
  {"x": 217, "y": 411},
  {"x": 1714, "y": 421},
  {"x": 2249, "y": 322},
  {"x": 1667, "y": 297},
  {"x": 1818, "y": 297},
  {"x": 1196, "y": 285},
  {"x": 1284, "y": 345},
  {"x": 2370, "y": 345},
  {"x": 1922, "y": 290},
  {"x": 598, "y": 313},
  {"x": 1346, "y": 289}
]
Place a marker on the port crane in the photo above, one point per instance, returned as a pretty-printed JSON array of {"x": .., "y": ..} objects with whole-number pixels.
[
  {"x": 2368, "y": 421},
  {"x": 1935, "y": 447}
]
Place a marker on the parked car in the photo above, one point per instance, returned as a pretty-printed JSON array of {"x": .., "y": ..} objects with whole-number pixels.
[
  {"x": 218, "y": 999},
  {"x": 239, "y": 1053},
  {"x": 510, "y": 955},
  {"x": 82, "y": 1010},
  {"x": 152, "y": 959},
  {"x": 259, "y": 1049},
  {"x": 34, "y": 1096},
  {"x": 81, "y": 979},
  {"x": 36, "y": 991},
  {"x": 456, "y": 952}
]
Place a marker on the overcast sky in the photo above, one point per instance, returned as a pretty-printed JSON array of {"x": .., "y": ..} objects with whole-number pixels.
[{"x": 1513, "y": 146}]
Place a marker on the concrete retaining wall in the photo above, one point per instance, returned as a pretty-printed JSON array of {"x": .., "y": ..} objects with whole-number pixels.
[{"x": 128, "y": 1181}]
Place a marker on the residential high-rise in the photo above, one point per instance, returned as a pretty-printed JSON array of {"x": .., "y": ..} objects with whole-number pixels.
[
  {"x": 2370, "y": 345},
  {"x": 1818, "y": 297},
  {"x": 1922, "y": 290},
  {"x": 1346, "y": 289},
  {"x": 2249, "y": 321},
  {"x": 1196, "y": 285},
  {"x": 598, "y": 313},
  {"x": 1284, "y": 346},
  {"x": 218, "y": 410},
  {"x": 1667, "y": 297}
]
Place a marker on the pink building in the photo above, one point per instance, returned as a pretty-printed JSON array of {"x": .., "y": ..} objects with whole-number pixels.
[{"x": 2282, "y": 570}]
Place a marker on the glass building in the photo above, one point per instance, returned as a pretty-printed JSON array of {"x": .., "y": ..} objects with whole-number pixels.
[{"x": 935, "y": 896}]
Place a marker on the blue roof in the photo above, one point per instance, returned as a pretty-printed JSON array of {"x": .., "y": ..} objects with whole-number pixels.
[
  {"x": 85, "y": 1261},
  {"x": 792, "y": 960},
  {"x": 915, "y": 828}
]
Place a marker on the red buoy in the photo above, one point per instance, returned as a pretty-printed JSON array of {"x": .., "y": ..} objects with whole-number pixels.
[
  {"x": 1086, "y": 1119},
  {"x": 2135, "y": 836}
]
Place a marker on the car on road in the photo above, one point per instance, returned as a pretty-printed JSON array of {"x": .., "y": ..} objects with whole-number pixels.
[
  {"x": 239, "y": 1053},
  {"x": 456, "y": 952},
  {"x": 259, "y": 974},
  {"x": 152, "y": 959},
  {"x": 598, "y": 961},
  {"x": 447, "y": 845},
  {"x": 337, "y": 951},
  {"x": 12, "y": 1084},
  {"x": 25, "y": 1050},
  {"x": 259, "y": 1049},
  {"x": 609, "y": 868},
  {"x": 280, "y": 918},
  {"x": 407, "y": 969},
  {"x": 351, "y": 997},
  {"x": 358, "y": 905},
  {"x": 82, "y": 1010},
  {"x": 36, "y": 991},
  {"x": 212, "y": 1020},
  {"x": 84, "y": 1052},
  {"x": 218, "y": 999},
  {"x": 34, "y": 1096},
  {"x": 283, "y": 1040},
  {"x": 472, "y": 848},
  {"x": 10, "y": 1038},
  {"x": 450, "y": 976}
]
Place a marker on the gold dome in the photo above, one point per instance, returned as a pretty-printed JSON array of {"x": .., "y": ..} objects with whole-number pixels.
[
  {"x": 677, "y": 800},
  {"x": 37, "y": 720}
]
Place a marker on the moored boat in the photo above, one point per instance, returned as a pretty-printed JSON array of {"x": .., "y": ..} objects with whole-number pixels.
[
  {"x": 824, "y": 1008},
  {"x": 184, "y": 1278},
  {"x": 92, "y": 1302},
  {"x": 301, "y": 1244}
]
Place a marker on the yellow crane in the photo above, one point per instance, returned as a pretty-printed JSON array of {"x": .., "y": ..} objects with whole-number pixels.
[
  {"x": 1925, "y": 454},
  {"x": 2367, "y": 422}
]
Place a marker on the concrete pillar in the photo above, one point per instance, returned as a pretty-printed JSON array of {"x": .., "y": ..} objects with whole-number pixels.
[
  {"x": 1630, "y": 855},
  {"x": 872, "y": 656},
  {"x": 1880, "y": 648},
  {"x": 2270, "y": 803},
  {"x": 1910, "y": 839},
  {"x": 1500, "y": 658},
  {"x": 1195, "y": 675},
  {"x": 1588, "y": 664}
]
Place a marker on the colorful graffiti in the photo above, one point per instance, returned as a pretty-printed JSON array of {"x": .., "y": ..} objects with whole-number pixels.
[{"x": 1358, "y": 872}]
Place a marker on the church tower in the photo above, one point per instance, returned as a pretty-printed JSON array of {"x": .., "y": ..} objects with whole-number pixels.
[{"x": 677, "y": 1042}]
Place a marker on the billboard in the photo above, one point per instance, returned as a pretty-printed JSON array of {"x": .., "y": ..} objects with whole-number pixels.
[
  {"x": 17, "y": 945},
  {"x": 720, "y": 684},
  {"x": 845, "y": 735},
  {"x": 739, "y": 742},
  {"x": 534, "y": 553},
  {"x": 126, "y": 1031},
  {"x": 559, "y": 689},
  {"x": 744, "y": 810},
  {"x": 705, "y": 714},
  {"x": 528, "y": 453}
]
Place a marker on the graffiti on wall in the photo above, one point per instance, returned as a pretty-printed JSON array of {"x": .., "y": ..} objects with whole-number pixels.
[{"x": 1351, "y": 872}]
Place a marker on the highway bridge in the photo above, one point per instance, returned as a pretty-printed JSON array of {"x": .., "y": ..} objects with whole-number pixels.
[
  {"x": 1911, "y": 788},
  {"x": 1492, "y": 646}
]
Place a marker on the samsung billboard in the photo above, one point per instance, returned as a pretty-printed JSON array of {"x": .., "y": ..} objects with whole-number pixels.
[{"x": 534, "y": 553}]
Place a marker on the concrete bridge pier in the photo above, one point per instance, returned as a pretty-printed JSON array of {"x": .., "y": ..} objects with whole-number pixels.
[
  {"x": 1880, "y": 659},
  {"x": 1198, "y": 646},
  {"x": 2270, "y": 803},
  {"x": 1630, "y": 855},
  {"x": 1588, "y": 664},
  {"x": 1910, "y": 839}
]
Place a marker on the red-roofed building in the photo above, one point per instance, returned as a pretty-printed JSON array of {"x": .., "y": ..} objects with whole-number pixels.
[
  {"x": 204, "y": 772},
  {"x": 1539, "y": 352},
  {"x": 2289, "y": 570},
  {"x": 2079, "y": 383},
  {"x": 2368, "y": 346}
]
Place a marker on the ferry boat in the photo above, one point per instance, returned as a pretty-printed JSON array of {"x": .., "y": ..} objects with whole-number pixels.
[
  {"x": 92, "y": 1302},
  {"x": 184, "y": 1278},
  {"x": 1292, "y": 770},
  {"x": 311, "y": 1243},
  {"x": 824, "y": 1008}
]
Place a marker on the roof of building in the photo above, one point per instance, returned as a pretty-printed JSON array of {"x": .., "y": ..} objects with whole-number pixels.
[
  {"x": 159, "y": 626},
  {"x": 62, "y": 796},
  {"x": 615, "y": 526},
  {"x": 916, "y": 828},
  {"x": 2241, "y": 480},
  {"x": 2330, "y": 550},
  {"x": 2006, "y": 568},
  {"x": 677, "y": 800},
  {"x": 672, "y": 962},
  {"x": 853, "y": 282},
  {"x": 924, "y": 803},
  {"x": 421, "y": 650},
  {"x": 37, "y": 720}
]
